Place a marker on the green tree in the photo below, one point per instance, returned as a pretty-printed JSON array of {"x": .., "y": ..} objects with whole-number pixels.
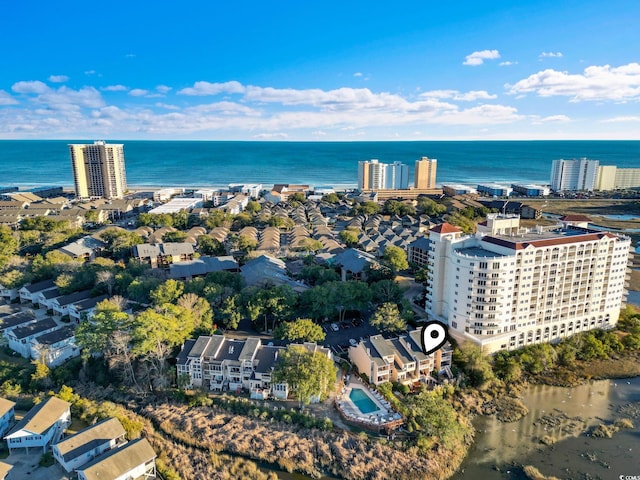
[
  {"x": 394, "y": 207},
  {"x": 176, "y": 236},
  {"x": 366, "y": 208},
  {"x": 200, "y": 308},
  {"x": 309, "y": 245},
  {"x": 253, "y": 207},
  {"x": 396, "y": 258},
  {"x": 139, "y": 289},
  {"x": 300, "y": 330},
  {"x": 297, "y": 197},
  {"x": 308, "y": 374},
  {"x": 331, "y": 198},
  {"x": 469, "y": 357},
  {"x": 429, "y": 207},
  {"x": 231, "y": 312},
  {"x": 387, "y": 318},
  {"x": 422, "y": 275},
  {"x": 8, "y": 244},
  {"x": 210, "y": 246},
  {"x": 167, "y": 292},
  {"x": 349, "y": 236},
  {"x": 386, "y": 291},
  {"x": 93, "y": 337}
]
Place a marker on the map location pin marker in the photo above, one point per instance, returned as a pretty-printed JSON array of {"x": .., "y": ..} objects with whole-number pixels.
[{"x": 434, "y": 336}]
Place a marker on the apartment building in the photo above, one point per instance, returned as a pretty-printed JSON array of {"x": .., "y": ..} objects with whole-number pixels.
[
  {"x": 574, "y": 175},
  {"x": 398, "y": 359},
  {"x": 373, "y": 175},
  {"x": 507, "y": 286},
  {"x": 98, "y": 170},
  {"x": 224, "y": 364},
  {"x": 424, "y": 175}
]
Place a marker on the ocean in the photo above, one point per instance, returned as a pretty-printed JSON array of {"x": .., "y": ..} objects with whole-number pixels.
[{"x": 218, "y": 163}]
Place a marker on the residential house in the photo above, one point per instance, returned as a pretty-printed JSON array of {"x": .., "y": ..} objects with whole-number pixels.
[
  {"x": 281, "y": 192},
  {"x": 77, "y": 450},
  {"x": 7, "y": 415},
  {"x": 399, "y": 359},
  {"x": 85, "y": 248},
  {"x": 134, "y": 460},
  {"x": 235, "y": 205},
  {"x": 45, "y": 298},
  {"x": 8, "y": 293},
  {"x": 266, "y": 270},
  {"x": 201, "y": 266},
  {"x": 54, "y": 348},
  {"x": 84, "y": 308},
  {"x": 354, "y": 263},
  {"x": 161, "y": 255},
  {"x": 42, "y": 426},
  {"x": 19, "y": 338},
  {"x": 60, "y": 305},
  {"x": 28, "y": 292},
  {"x": 15, "y": 320}
]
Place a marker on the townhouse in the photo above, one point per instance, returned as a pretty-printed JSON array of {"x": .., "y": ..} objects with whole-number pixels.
[
  {"x": 77, "y": 450},
  {"x": 223, "y": 364},
  {"x": 7, "y": 415},
  {"x": 55, "y": 347},
  {"x": 135, "y": 460},
  {"x": 19, "y": 338},
  {"x": 399, "y": 359},
  {"x": 41, "y": 426}
]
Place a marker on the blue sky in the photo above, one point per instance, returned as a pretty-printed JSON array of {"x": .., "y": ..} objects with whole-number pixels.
[{"x": 320, "y": 71}]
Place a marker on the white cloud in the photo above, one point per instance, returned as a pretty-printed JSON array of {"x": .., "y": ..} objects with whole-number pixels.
[
  {"x": 271, "y": 136},
  {"x": 115, "y": 88},
  {"x": 167, "y": 106},
  {"x": 622, "y": 118},
  {"x": 319, "y": 133},
  {"x": 357, "y": 74},
  {"x": 89, "y": 72},
  {"x": 130, "y": 55},
  {"x": 207, "y": 88},
  {"x": 507, "y": 63},
  {"x": 469, "y": 96},
  {"x": 7, "y": 99},
  {"x": 595, "y": 83},
  {"x": 225, "y": 108},
  {"x": 163, "y": 89},
  {"x": 35, "y": 86},
  {"x": 478, "y": 58},
  {"x": 58, "y": 78},
  {"x": 536, "y": 120},
  {"x": 550, "y": 55},
  {"x": 139, "y": 92}
]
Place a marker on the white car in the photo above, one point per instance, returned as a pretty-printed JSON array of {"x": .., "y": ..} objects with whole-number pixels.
[
  {"x": 352, "y": 342},
  {"x": 334, "y": 327}
]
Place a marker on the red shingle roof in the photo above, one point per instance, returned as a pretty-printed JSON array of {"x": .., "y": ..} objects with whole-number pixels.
[
  {"x": 445, "y": 228},
  {"x": 575, "y": 218}
]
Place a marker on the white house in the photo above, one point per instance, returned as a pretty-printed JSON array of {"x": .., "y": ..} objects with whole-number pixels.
[
  {"x": 45, "y": 298},
  {"x": 7, "y": 415},
  {"x": 41, "y": 426},
  {"x": 28, "y": 292},
  {"x": 84, "y": 307},
  {"x": 77, "y": 450},
  {"x": 60, "y": 305},
  {"x": 54, "y": 348},
  {"x": 10, "y": 293},
  {"x": 20, "y": 337},
  {"x": 136, "y": 460},
  {"x": 14, "y": 320}
]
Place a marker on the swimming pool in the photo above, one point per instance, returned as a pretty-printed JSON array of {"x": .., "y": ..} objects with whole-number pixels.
[{"x": 361, "y": 400}]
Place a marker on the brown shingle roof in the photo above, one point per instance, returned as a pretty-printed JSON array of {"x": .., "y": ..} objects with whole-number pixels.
[{"x": 445, "y": 228}]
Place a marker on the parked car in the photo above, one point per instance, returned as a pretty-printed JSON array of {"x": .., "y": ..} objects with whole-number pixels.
[
  {"x": 334, "y": 327},
  {"x": 352, "y": 342}
]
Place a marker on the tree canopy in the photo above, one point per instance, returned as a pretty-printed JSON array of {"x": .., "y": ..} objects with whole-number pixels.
[
  {"x": 387, "y": 318},
  {"x": 300, "y": 330},
  {"x": 308, "y": 374}
]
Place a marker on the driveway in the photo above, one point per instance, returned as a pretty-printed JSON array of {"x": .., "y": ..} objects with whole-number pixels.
[{"x": 25, "y": 465}]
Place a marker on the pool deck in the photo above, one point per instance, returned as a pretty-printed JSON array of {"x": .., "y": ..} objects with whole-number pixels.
[{"x": 381, "y": 417}]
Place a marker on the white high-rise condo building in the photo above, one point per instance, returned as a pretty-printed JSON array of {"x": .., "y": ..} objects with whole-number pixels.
[
  {"x": 98, "y": 170},
  {"x": 506, "y": 286},
  {"x": 373, "y": 175},
  {"x": 572, "y": 175}
]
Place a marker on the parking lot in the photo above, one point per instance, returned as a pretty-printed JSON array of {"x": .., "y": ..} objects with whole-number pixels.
[
  {"x": 25, "y": 465},
  {"x": 348, "y": 329}
]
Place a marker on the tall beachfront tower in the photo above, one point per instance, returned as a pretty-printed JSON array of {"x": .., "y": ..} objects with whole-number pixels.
[
  {"x": 98, "y": 170},
  {"x": 572, "y": 175},
  {"x": 373, "y": 175},
  {"x": 425, "y": 173},
  {"x": 506, "y": 286}
]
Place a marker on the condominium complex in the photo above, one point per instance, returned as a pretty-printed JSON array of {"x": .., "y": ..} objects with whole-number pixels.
[
  {"x": 611, "y": 177},
  {"x": 424, "y": 175},
  {"x": 98, "y": 170},
  {"x": 576, "y": 174},
  {"x": 506, "y": 286},
  {"x": 373, "y": 175}
]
